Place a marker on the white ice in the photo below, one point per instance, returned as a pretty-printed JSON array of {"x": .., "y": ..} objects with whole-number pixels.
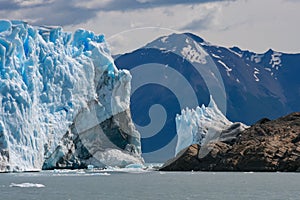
[
  {"x": 27, "y": 185},
  {"x": 46, "y": 77}
]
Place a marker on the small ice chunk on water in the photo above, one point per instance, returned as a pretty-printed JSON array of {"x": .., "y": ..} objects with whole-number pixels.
[
  {"x": 90, "y": 167},
  {"x": 27, "y": 185},
  {"x": 135, "y": 166},
  {"x": 104, "y": 174}
]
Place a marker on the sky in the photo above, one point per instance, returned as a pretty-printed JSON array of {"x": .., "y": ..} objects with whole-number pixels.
[{"x": 255, "y": 25}]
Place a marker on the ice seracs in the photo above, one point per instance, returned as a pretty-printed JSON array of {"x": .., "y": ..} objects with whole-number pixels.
[
  {"x": 204, "y": 124},
  {"x": 53, "y": 83}
]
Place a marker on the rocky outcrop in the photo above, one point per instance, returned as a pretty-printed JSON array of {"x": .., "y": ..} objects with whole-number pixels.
[{"x": 265, "y": 146}]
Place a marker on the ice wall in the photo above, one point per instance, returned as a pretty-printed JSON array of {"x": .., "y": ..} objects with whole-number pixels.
[{"x": 47, "y": 77}]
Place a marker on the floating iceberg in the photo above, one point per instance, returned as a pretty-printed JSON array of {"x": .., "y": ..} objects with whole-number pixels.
[
  {"x": 27, "y": 185},
  {"x": 63, "y": 102}
]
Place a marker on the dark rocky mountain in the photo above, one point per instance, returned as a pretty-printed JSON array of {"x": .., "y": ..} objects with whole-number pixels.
[
  {"x": 267, "y": 82},
  {"x": 255, "y": 85},
  {"x": 265, "y": 146}
]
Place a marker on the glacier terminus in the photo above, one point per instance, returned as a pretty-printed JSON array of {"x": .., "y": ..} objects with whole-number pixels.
[{"x": 63, "y": 102}]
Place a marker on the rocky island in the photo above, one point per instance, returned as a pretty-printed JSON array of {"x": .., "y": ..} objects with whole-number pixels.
[{"x": 268, "y": 145}]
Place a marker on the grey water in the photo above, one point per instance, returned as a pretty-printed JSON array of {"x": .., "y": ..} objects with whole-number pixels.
[{"x": 140, "y": 184}]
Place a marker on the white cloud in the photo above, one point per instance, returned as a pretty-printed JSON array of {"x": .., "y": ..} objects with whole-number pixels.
[
  {"x": 144, "y": 1},
  {"x": 93, "y": 3},
  {"x": 28, "y": 3},
  {"x": 158, "y": 21},
  {"x": 173, "y": 17},
  {"x": 256, "y": 25}
]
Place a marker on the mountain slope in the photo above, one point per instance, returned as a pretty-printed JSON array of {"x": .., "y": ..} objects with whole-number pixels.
[{"x": 246, "y": 86}]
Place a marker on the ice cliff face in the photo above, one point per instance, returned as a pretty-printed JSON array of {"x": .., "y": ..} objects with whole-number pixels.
[
  {"x": 63, "y": 102},
  {"x": 204, "y": 124}
]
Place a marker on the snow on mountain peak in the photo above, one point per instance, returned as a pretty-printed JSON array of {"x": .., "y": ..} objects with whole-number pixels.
[
  {"x": 228, "y": 70},
  {"x": 255, "y": 73},
  {"x": 275, "y": 60},
  {"x": 256, "y": 58},
  {"x": 186, "y": 45},
  {"x": 194, "y": 54}
]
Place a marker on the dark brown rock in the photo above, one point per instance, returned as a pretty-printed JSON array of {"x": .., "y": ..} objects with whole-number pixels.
[{"x": 265, "y": 146}]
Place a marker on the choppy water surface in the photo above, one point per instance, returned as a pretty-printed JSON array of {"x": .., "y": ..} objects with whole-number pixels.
[{"x": 142, "y": 184}]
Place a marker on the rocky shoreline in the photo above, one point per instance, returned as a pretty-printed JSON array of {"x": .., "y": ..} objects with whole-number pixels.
[{"x": 266, "y": 146}]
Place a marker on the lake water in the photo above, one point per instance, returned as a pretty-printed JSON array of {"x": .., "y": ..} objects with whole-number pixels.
[{"x": 141, "y": 184}]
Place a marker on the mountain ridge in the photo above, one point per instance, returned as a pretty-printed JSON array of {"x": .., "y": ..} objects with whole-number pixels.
[
  {"x": 256, "y": 85},
  {"x": 260, "y": 64}
]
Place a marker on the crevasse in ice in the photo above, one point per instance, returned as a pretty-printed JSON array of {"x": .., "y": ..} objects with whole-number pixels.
[{"x": 47, "y": 76}]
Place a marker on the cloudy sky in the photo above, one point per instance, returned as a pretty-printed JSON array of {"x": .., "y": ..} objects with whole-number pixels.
[{"x": 256, "y": 25}]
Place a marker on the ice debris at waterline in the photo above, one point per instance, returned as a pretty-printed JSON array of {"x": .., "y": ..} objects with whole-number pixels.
[
  {"x": 204, "y": 124},
  {"x": 63, "y": 102},
  {"x": 27, "y": 185}
]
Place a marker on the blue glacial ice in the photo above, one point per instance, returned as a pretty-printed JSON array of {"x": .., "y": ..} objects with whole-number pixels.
[
  {"x": 47, "y": 77},
  {"x": 203, "y": 125}
]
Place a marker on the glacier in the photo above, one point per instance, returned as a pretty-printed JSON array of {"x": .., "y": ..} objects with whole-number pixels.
[
  {"x": 63, "y": 102},
  {"x": 203, "y": 125}
]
